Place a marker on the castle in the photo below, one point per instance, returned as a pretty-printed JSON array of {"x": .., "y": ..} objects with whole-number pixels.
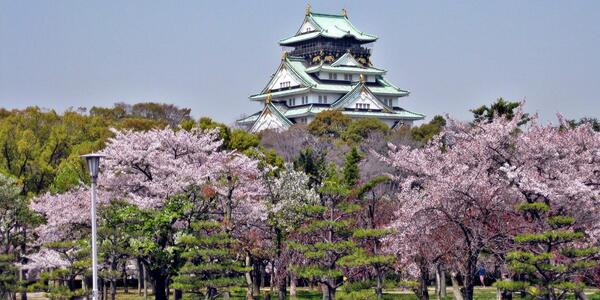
[{"x": 327, "y": 67}]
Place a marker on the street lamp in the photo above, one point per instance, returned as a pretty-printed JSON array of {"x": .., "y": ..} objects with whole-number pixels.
[{"x": 93, "y": 162}]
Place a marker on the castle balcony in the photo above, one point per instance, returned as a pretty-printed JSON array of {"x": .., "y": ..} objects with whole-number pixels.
[{"x": 312, "y": 49}]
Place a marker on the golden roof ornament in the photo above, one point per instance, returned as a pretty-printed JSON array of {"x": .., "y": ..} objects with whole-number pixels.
[
  {"x": 284, "y": 56},
  {"x": 344, "y": 12},
  {"x": 268, "y": 99},
  {"x": 308, "y": 9},
  {"x": 361, "y": 78}
]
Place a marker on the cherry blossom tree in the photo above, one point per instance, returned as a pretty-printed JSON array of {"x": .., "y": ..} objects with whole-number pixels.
[
  {"x": 146, "y": 168},
  {"x": 453, "y": 188},
  {"x": 175, "y": 178},
  {"x": 288, "y": 194}
]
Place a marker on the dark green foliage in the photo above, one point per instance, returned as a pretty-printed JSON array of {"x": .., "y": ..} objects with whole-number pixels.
[
  {"x": 242, "y": 140},
  {"x": 148, "y": 113},
  {"x": 313, "y": 164},
  {"x": 351, "y": 167},
  {"x": 425, "y": 132},
  {"x": 499, "y": 108},
  {"x": 210, "y": 266},
  {"x": 594, "y": 122},
  {"x": 326, "y": 235},
  {"x": 224, "y": 131},
  {"x": 329, "y": 123},
  {"x": 552, "y": 258},
  {"x": 8, "y": 280},
  {"x": 78, "y": 255},
  {"x": 360, "y": 129}
]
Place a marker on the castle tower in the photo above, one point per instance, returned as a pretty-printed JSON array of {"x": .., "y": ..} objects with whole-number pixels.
[{"x": 328, "y": 67}]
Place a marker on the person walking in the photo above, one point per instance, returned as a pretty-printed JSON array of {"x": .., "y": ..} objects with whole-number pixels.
[{"x": 481, "y": 273}]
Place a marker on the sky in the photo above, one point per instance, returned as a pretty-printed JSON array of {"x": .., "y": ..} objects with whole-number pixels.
[{"x": 211, "y": 55}]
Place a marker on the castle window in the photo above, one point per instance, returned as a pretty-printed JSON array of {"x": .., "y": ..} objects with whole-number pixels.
[
  {"x": 284, "y": 84},
  {"x": 320, "y": 99},
  {"x": 332, "y": 76},
  {"x": 363, "y": 105},
  {"x": 348, "y": 77},
  {"x": 292, "y": 102},
  {"x": 304, "y": 99}
]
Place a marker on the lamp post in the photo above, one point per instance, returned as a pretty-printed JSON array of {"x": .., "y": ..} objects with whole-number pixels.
[{"x": 93, "y": 162}]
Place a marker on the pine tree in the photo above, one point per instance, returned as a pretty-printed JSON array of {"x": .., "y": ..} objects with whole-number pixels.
[
  {"x": 351, "y": 168},
  {"x": 59, "y": 283},
  {"x": 211, "y": 266},
  {"x": 368, "y": 236},
  {"x": 325, "y": 238},
  {"x": 8, "y": 281},
  {"x": 552, "y": 257}
]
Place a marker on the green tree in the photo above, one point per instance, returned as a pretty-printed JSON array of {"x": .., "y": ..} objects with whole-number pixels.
[
  {"x": 351, "y": 168},
  {"x": 113, "y": 240},
  {"x": 550, "y": 259},
  {"x": 59, "y": 283},
  {"x": 325, "y": 238},
  {"x": 224, "y": 131},
  {"x": 329, "y": 123},
  {"x": 594, "y": 122},
  {"x": 8, "y": 280},
  {"x": 312, "y": 163},
  {"x": 499, "y": 108},
  {"x": 242, "y": 140},
  {"x": 15, "y": 221},
  {"x": 211, "y": 266},
  {"x": 368, "y": 236},
  {"x": 425, "y": 132},
  {"x": 35, "y": 143},
  {"x": 360, "y": 129}
]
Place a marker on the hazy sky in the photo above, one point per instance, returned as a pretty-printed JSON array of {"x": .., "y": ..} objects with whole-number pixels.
[{"x": 210, "y": 55}]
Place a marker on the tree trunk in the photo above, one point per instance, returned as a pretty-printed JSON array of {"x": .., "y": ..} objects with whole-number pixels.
[
  {"x": 113, "y": 289},
  {"x": 145, "y": 281},
  {"x": 22, "y": 277},
  {"x": 422, "y": 293},
  {"x": 282, "y": 289},
  {"x": 379, "y": 286},
  {"x": 456, "y": 289},
  {"x": 248, "y": 275},
  {"x": 168, "y": 285},
  {"x": 259, "y": 278},
  {"x": 293, "y": 284},
  {"x": 331, "y": 291},
  {"x": 440, "y": 282},
  {"x": 139, "y": 276},
  {"x": 580, "y": 295},
  {"x": 503, "y": 294},
  {"x": 159, "y": 287},
  {"x": 124, "y": 275},
  {"x": 178, "y": 294},
  {"x": 469, "y": 283},
  {"x": 104, "y": 290}
]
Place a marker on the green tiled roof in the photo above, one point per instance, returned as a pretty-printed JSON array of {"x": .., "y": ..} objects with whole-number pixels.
[
  {"x": 331, "y": 26},
  {"x": 249, "y": 119},
  {"x": 297, "y": 66},
  {"x": 344, "y": 69},
  {"x": 396, "y": 114},
  {"x": 346, "y": 60},
  {"x": 312, "y": 109},
  {"x": 358, "y": 88}
]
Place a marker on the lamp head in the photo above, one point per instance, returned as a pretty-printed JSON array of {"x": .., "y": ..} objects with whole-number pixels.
[{"x": 93, "y": 162}]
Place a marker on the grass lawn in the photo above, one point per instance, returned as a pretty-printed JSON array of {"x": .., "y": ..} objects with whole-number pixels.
[{"x": 486, "y": 293}]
